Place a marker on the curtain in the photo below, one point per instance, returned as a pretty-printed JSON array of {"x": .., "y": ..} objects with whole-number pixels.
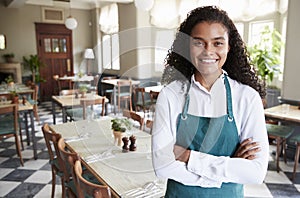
[{"x": 109, "y": 19}]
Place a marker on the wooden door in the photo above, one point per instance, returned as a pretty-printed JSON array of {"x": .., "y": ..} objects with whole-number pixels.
[{"x": 54, "y": 44}]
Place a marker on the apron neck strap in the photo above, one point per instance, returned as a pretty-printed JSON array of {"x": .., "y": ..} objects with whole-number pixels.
[{"x": 228, "y": 97}]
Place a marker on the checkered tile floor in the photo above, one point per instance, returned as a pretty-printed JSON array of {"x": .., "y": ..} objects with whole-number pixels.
[{"x": 34, "y": 179}]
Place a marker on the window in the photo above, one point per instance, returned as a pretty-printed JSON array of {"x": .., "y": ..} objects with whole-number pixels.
[
  {"x": 55, "y": 45},
  {"x": 111, "y": 51},
  {"x": 163, "y": 42},
  {"x": 255, "y": 31}
]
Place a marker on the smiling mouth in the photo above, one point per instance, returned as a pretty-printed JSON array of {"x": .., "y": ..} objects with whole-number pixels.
[{"x": 208, "y": 60}]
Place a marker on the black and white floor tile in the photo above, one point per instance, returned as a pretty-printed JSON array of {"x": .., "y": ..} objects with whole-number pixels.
[{"x": 34, "y": 179}]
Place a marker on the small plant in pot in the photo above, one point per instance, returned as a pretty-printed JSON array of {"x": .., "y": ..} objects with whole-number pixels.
[
  {"x": 10, "y": 81},
  {"x": 119, "y": 126},
  {"x": 83, "y": 89},
  {"x": 9, "y": 58},
  {"x": 14, "y": 97}
]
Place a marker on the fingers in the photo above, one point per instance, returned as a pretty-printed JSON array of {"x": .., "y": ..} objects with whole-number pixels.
[
  {"x": 247, "y": 149},
  {"x": 181, "y": 154}
]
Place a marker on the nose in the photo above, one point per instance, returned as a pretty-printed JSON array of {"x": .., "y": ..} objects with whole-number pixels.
[{"x": 208, "y": 49}]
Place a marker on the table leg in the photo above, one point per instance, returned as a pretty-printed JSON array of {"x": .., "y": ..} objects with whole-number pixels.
[
  {"x": 64, "y": 114},
  {"x": 33, "y": 135},
  {"x": 115, "y": 99},
  {"x": 53, "y": 112},
  {"x": 27, "y": 131}
]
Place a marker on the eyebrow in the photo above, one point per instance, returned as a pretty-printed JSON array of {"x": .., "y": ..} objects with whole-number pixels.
[{"x": 216, "y": 38}]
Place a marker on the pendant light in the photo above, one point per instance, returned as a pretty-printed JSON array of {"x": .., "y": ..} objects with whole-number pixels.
[
  {"x": 71, "y": 22},
  {"x": 144, "y": 5}
]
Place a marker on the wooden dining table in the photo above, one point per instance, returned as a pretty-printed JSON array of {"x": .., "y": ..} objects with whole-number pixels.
[
  {"x": 20, "y": 89},
  {"x": 128, "y": 174},
  {"x": 70, "y": 101},
  {"x": 284, "y": 112}
]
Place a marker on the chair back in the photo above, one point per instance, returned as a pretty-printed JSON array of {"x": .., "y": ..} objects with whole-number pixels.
[
  {"x": 9, "y": 125},
  {"x": 133, "y": 115},
  {"x": 125, "y": 92},
  {"x": 10, "y": 109},
  {"x": 91, "y": 102},
  {"x": 68, "y": 159},
  {"x": 51, "y": 139},
  {"x": 86, "y": 188},
  {"x": 58, "y": 86},
  {"x": 153, "y": 96}
]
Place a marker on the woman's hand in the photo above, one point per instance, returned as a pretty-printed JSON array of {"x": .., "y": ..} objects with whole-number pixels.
[
  {"x": 247, "y": 149},
  {"x": 182, "y": 154}
]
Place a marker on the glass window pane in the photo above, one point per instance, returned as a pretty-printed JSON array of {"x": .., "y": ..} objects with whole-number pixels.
[
  {"x": 55, "y": 45},
  {"x": 255, "y": 31},
  {"x": 63, "y": 45},
  {"x": 47, "y": 44},
  {"x": 115, "y": 52},
  {"x": 106, "y": 52},
  {"x": 2, "y": 42}
]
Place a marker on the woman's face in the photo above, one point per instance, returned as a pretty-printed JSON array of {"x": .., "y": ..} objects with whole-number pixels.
[{"x": 209, "y": 46}]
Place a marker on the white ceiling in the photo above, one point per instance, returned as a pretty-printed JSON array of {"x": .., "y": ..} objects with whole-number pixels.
[{"x": 78, "y": 4}]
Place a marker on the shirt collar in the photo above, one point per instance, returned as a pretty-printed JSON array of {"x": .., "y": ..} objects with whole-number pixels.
[{"x": 196, "y": 83}]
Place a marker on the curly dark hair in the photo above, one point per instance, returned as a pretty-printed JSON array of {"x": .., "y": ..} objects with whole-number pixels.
[{"x": 238, "y": 66}]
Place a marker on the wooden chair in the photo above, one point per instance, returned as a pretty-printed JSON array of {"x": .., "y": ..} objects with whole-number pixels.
[
  {"x": 133, "y": 115},
  {"x": 60, "y": 83},
  {"x": 280, "y": 133},
  {"x": 124, "y": 93},
  {"x": 10, "y": 126},
  {"x": 295, "y": 138},
  {"x": 87, "y": 108},
  {"x": 86, "y": 188},
  {"x": 54, "y": 156},
  {"x": 67, "y": 162},
  {"x": 94, "y": 85},
  {"x": 141, "y": 99}
]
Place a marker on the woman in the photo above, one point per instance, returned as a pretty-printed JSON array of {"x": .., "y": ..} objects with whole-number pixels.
[{"x": 209, "y": 133}]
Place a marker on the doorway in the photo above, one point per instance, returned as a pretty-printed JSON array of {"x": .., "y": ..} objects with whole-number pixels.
[{"x": 54, "y": 47}]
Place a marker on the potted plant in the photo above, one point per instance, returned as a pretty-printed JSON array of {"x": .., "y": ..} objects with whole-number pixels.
[
  {"x": 14, "y": 97},
  {"x": 9, "y": 58},
  {"x": 34, "y": 63},
  {"x": 119, "y": 126},
  {"x": 265, "y": 57},
  {"x": 9, "y": 81},
  {"x": 83, "y": 89}
]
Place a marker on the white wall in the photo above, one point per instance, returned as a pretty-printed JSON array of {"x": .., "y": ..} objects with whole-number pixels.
[
  {"x": 291, "y": 80},
  {"x": 18, "y": 26}
]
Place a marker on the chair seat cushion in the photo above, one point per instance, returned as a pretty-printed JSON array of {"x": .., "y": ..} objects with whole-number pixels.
[{"x": 279, "y": 130}]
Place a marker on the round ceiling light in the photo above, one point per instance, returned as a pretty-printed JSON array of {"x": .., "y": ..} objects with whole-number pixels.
[
  {"x": 144, "y": 5},
  {"x": 71, "y": 23}
]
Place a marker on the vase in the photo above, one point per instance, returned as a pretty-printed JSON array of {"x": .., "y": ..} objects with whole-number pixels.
[
  {"x": 83, "y": 94},
  {"x": 15, "y": 100},
  {"x": 118, "y": 137}
]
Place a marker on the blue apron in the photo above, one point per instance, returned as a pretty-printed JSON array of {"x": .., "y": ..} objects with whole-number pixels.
[{"x": 216, "y": 136}]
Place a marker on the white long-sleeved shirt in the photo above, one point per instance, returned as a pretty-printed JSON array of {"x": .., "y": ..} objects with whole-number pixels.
[{"x": 203, "y": 169}]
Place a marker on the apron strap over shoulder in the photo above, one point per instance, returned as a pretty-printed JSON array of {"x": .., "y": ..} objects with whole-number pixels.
[
  {"x": 229, "y": 99},
  {"x": 187, "y": 102}
]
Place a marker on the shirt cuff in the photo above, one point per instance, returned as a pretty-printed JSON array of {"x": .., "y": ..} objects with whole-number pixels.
[{"x": 202, "y": 164}]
